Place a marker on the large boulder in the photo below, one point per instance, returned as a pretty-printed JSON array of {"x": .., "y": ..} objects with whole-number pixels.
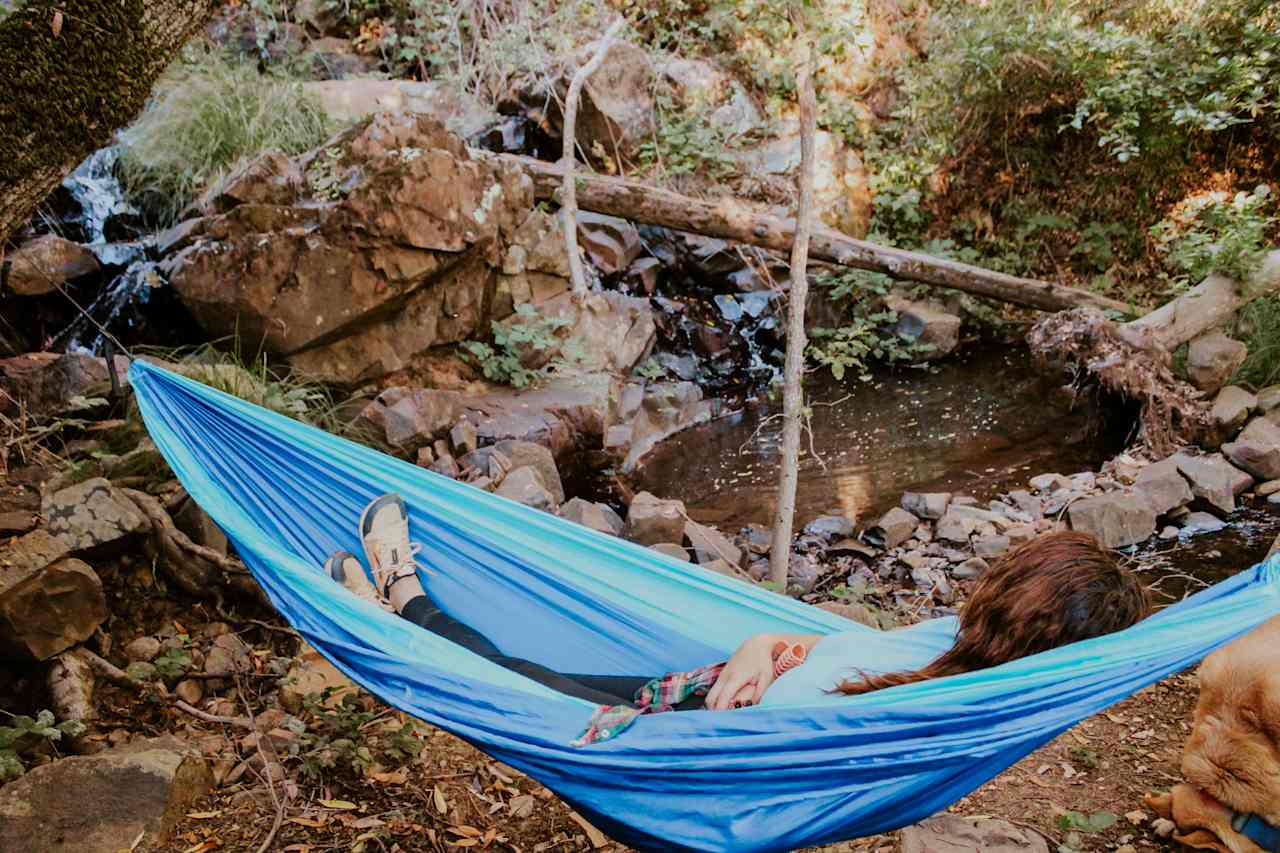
[
  {"x": 842, "y": 197},
  {"x": 1257, "y": 449},
  {"x": 897, "y": 526},
  {"x": 641, "y": 415},
  {"x": 651, "y": 520},
  {"x": 408, "y": 417},
  {"x": 1213, "y": 479},
  {"x": 1231, "y": 408},
  {"x": 536, "y": 456},
  {"x": 363, "y": 254},
  {"x": 48, "y": 601},
  {"x": 44, "y": 264},
  {"x": 1212, "y": 359},
  {"x": 615, "y": 115},
  {"x": 127, "y": 798},
  {"x": 1115, "y": 519},
  {"x": 701, "y": 84},
  {"x": 91, "y": 517},
  {"x": 612, "y": 331},
  {"x": 1164, "y": 488},
  {"x": 46, "y": 382}
]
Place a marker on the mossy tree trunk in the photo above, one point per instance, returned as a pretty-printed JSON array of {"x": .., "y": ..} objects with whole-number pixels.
[{"x": 75, "y": 71}]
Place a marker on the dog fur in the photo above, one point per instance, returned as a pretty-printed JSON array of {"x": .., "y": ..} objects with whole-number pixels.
[{"x": 1233, "y": 753}]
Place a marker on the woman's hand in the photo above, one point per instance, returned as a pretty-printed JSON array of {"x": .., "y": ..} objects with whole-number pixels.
[{"x": 750, "y": 667}]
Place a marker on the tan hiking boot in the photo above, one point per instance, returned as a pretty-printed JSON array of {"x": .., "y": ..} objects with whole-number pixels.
[
  {"x": 344, "y": 568},
  {"x": 384, "y": 529}
]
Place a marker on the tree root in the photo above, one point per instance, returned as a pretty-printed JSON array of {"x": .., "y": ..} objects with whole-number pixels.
[{"x": 1084, "y": 343}]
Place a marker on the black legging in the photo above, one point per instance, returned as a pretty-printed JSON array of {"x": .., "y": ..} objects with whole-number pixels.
[{"x": 600, "y": 689}]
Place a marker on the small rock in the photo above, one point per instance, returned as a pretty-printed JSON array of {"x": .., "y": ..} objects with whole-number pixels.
[
  {"x": 227, "y": 656},
  {"x": 1212, "y": 358},
  {"x": 1169, "y": 532},
  {"x": 1256, "y": 449},
  {"x": 463, "y": 437},
  {"x": 42, "y": 265},
  {"x": 651, "y": 519},
  {"x": 1231, "y": 407},
  {"x": 1049, "y": 483},
  {"x": 709, "y": 544},
  {"x": 1268, "y": 398},
  {"x": 597, "y": 516},
  {"x": 525, "y": 485},
  {"x": 759, "y": 538},
  {"x": 445, "y": 465},
  {"x": 48, "y": 602},
  {"x": 853, "y": 612},
  {"x": 142, "y": 649},
  {"x": 426, "y": 456},
  {"x": 1027, "y": 503},
  {"x": 1213, "y": 479},
  {"x": 1162, "y": 486},
  {"x": 896, "y": 526},
  {"x": 141, "y": 671},
  {"x": 915, "y": 559},
  {"x": 955, "y": 528},
  {"x": 1020, "y": 533},
  {"x": 926, "y": 324},
  {"x": 930, "y": 505},
  {"x": 990, "y": 546},
  {"x": 802, "y": 573},
  {"x": 830, "y": 527},
  {"x": 513, "y": 453},
  {"x": 852, "y": 547},
  {"x": 671, "y": 549},
  {"x": 1114, "y": 519},
  {"x": 1202, "y": 522},
  {"x": 1268, "y": 488},
  {"x": 972, "y": 568},
  {"x": 190, "y": 691}
]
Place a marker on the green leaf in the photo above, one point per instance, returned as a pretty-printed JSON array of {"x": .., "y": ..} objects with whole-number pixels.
[{"x": 1095, "y": 822}]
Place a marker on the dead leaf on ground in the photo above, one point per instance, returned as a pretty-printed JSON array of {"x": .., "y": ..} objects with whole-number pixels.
[
  {"x": 442, "y": 805},
  {"x": 598, "y": 838},
  {"x": 521, "y": 806},
  {"x": 341, "y": 805}
]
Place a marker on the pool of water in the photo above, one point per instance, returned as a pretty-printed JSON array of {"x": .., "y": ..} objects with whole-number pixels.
[{"x": 978, "y": 424}]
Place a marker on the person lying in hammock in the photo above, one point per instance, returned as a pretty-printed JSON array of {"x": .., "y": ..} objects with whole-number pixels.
[{"x": 1056, "y": 589}]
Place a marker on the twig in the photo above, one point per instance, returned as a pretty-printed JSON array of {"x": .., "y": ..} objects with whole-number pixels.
[
  {"x": 267, "y": 760},
  {"x": 110, "y": 671},
  {"x": 239, "y": 722},
  {"x": 569, "y": 201}
]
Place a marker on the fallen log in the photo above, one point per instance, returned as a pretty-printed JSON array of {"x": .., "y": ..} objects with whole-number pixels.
[
  {"x": 733, "y": 219},
  {"x": 1134, "y": 360}
]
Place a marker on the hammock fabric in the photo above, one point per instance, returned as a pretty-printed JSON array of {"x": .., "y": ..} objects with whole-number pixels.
[{"x": 764, "y": 778}]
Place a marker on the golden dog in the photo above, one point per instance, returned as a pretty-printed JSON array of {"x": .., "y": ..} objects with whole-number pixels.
[{"x": 1232, "y": 758}]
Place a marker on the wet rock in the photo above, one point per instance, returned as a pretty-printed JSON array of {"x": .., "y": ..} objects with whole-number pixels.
[
  {"x": 1169, "y": 532},
  {"x": 651, "y": 519},
  {"x": 597, "y": 516},
  {"x": 1027, "y": 503},
  {"x": 1256, "y": 449},
  {"x": 1049, "y": 483},
  {"x": 654, "y": 412},
  {"x": 1231, "y": 407},
  {"x": 312, "y": 674},
  {"x": 227, "y": 656},
  {"x": 926, "y": 324},
  {"x": 710, "y": 544},
  {"x": 1202, "y": 522},
  {"x": 1115, "y": 520},
  {"x": 91, "y": 517},
  {"x": 1268, "y": 488},
  {"x": 142, "y": 649},
  {"x": 671, "y": 549},
  {"x": 931, "y": 505},
  {"x": 1213, "y": 479},
  {"x": 896, "y": 526},
  {"x": 525, "y": 485},
  {"x": 859, "y": 613},
  {"x": 1163, "y": 487},
  {"x": 352, "y": 100},
  {"x": 830, "y": 527},
  {"x": 759, "y": 538},
  {"x": 46, "y": 382},
  {"x": 48, "y": 602},
  {"x": 125, "y": 798},
  {"x": 990, "y": 546},
  {"x": 970, "y": 569},
  {"x": 408, "y": 416},
  {"x": 44, "y": 264},
  {"x": 1212, "y": 359},
  {"x": 948, "y": 833}
]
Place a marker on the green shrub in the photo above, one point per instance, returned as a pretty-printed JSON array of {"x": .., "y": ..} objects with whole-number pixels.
[
  {"x": 23, "y": 731},
  {"x": 210, "y": 114},
  {"x": 1216, "y": 232},
  {"x": 519, "y": 342},
  {"x": 868, "y": 335},
  {"x": 1258, "y": 326}
]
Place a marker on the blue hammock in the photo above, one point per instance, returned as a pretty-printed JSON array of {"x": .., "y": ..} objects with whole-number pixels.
[{"x": 768, "y": 778}]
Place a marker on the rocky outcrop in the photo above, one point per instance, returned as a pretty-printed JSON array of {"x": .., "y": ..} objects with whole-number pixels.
[
  {"x": 1257, "y": 449},
  {"x": 126, "y": 798},
  {"x": 355, "y": 258},
  {"x": 1163, "y": 487},
  {"x": 1213, "y": 479},
  {"x": 44, "y": 264},
  {"x": 48, "y": 601}
]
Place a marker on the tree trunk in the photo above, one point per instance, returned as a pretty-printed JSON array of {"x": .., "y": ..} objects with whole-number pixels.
[
  {"x": 569, "y": 210},
  {"x": 793, "y": 371},
  {"x": 733, "y": 219},
  {"x": 75, "y": 71}
]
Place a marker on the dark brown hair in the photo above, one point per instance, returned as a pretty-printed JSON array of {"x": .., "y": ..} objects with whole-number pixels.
[{"x": 1056, "y": 589}]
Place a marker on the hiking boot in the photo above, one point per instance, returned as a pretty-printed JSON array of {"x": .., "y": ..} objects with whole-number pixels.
[
  {"x": 344, "y": 568},
  {"x": 384, "y": 529}
]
